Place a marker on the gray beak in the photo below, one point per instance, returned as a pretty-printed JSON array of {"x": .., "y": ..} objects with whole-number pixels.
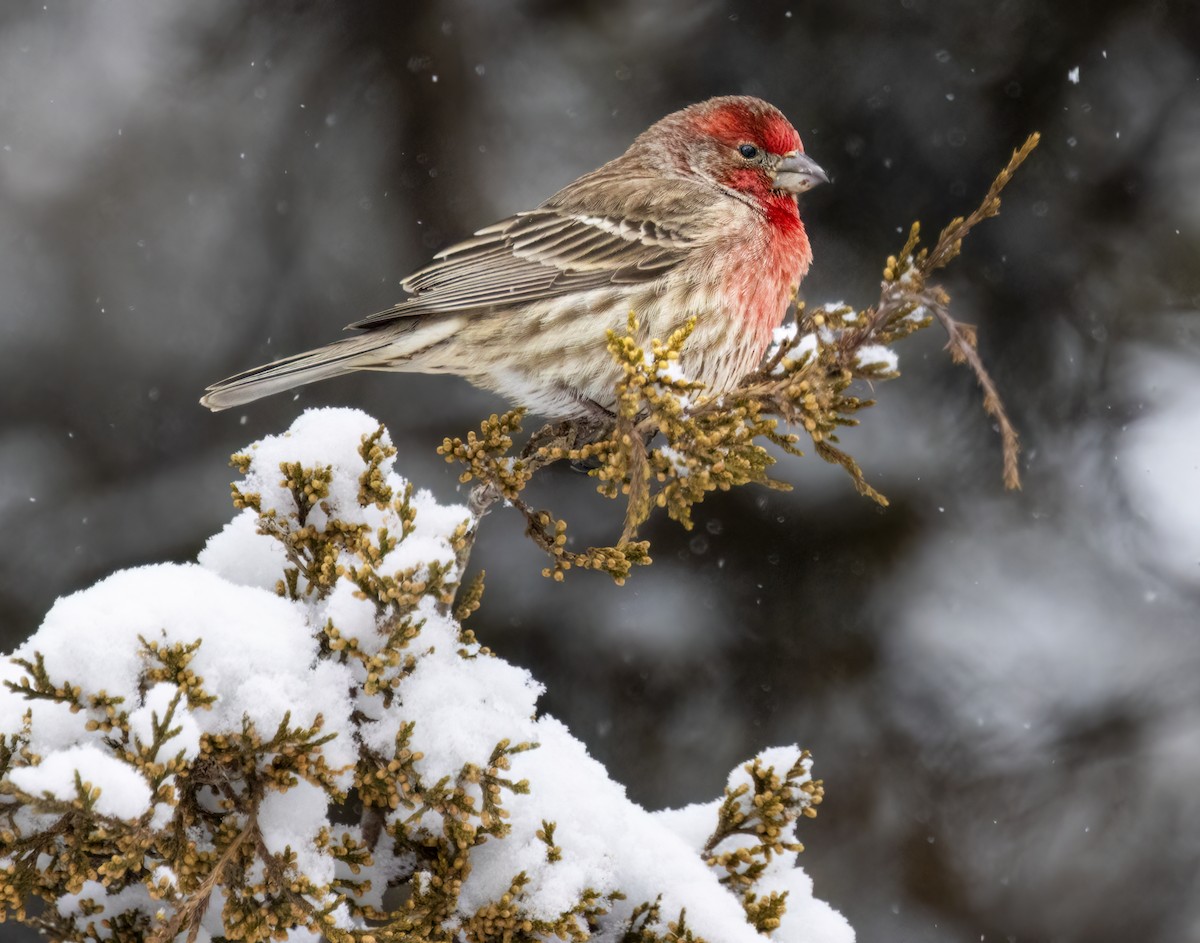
[{"x": 798, "y": 172}]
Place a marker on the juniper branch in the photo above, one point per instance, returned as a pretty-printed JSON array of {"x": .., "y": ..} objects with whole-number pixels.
[
  {"x": 191, "y": 912},
  {"x": 716, "y": 442}
]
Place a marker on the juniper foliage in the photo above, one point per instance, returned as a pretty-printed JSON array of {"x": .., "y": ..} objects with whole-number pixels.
[
  {"x": 670, "y": 442},
  {"x": 200, "y": 849}
]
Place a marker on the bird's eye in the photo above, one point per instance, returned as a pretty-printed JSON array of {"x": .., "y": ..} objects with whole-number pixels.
[{"x": 748, "y": 151}]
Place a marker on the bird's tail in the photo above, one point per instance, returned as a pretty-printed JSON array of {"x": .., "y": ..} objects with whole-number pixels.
[{"x": 332, "y": 360}]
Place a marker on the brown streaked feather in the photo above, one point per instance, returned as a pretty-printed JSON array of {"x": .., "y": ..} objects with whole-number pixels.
[{"x": 569, "y": 244}]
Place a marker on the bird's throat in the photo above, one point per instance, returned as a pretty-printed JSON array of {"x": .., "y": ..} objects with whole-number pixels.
[{"x": 761, "y": 286}]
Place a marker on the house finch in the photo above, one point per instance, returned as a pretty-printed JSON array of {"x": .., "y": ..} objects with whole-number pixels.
[{"x": 697, "y": 219}]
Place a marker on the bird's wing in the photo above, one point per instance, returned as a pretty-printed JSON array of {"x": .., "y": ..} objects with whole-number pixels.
[{"x": 542, "y": 253}]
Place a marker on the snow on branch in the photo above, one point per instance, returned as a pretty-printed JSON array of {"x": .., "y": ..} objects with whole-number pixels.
[{"x": 295, "y": 739}]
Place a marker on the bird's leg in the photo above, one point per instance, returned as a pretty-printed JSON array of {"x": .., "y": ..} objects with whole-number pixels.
[
  {"x": 560, "y": 434},
  {"x": 591, "y": 424},
  {"x": 596, "y": 418},
  {"x": 595, "y": 424},
  {"x": 569, "y": 434}
]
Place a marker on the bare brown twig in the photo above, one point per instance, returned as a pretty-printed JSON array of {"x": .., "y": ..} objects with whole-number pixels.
[
  {"x": 961, "y": 344},
  {"x": 191, "y": 912}
]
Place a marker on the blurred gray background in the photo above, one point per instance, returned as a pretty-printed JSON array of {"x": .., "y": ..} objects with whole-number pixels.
[{"x": 1002, "y": 691}]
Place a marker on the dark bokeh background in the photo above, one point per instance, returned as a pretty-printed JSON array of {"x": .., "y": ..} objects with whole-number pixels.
[{"x": 1001, "y": 690}]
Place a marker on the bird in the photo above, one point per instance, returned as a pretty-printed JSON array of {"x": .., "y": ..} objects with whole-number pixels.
[{"x": 697, "y": 221}]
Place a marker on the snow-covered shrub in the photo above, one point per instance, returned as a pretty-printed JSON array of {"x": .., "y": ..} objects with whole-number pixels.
[{"x": 295, "y": 738}]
